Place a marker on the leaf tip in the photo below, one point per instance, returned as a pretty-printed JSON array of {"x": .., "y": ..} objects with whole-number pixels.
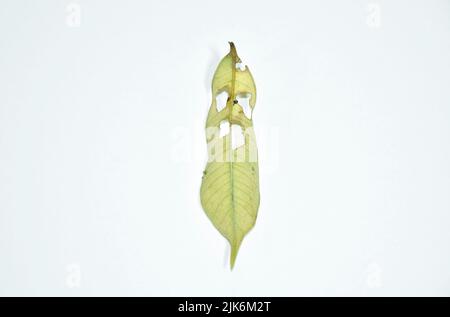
[
  {"x": 233, "y": 51},
  {"x": 234, "y": 252}
]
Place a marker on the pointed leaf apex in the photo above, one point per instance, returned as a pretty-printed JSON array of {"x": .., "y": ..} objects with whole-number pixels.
[
  {"x": 233, "y": 51},
  {"x": 234, "y": 253}
]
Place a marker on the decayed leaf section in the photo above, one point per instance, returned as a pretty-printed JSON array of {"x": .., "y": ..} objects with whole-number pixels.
[{"x": 230, "y": 184}]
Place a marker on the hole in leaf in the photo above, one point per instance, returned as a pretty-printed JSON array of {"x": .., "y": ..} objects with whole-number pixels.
[
  {"x": 237, "y": 136},
  {"x": 221, "y": 100},
  {"x": 240, "y": 66},
  {"x": 224, "y": 128},
  {"x": 244, "y": 101}
]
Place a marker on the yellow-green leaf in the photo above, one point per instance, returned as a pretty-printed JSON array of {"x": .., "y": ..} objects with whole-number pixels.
[{"x": 230, "y": 184}]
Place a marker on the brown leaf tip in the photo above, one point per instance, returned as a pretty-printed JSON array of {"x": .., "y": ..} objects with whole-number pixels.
[{"x": 233, "y": 51}]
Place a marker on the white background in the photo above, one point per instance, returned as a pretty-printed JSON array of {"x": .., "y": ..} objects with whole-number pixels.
[{"x": 102, "y": 147}]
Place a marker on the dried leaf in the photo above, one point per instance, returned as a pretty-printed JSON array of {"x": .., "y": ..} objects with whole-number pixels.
[{"x": 230, "y": 185}]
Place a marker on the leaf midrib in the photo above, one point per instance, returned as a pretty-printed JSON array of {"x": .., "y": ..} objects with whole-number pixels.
[{"x": 230, "y": 159}]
